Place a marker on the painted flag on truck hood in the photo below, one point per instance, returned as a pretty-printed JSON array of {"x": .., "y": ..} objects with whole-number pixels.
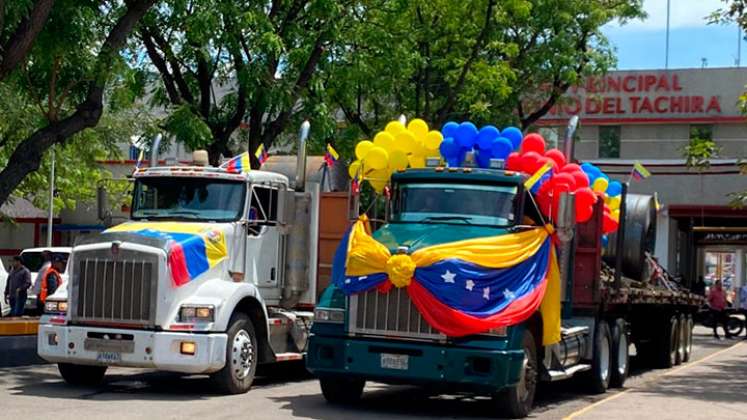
[
  {"x": 193, "y": 248},
  {"x": 464, "y": 287}
]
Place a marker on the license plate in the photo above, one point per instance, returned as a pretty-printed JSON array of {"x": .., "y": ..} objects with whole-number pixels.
[
  {"x": 108, "y": 357},
  {"x": 394, "y": 361}
]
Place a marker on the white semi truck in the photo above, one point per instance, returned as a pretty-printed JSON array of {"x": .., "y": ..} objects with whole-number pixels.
[{"x": 214, "y": 273}]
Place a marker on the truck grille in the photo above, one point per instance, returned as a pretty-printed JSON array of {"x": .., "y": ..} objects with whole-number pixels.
[
  {"x": 388, "y": 314},
  {"x": 121, "y": 290}
]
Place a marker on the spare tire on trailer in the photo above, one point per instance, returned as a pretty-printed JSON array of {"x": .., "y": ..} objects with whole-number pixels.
[{"x": 640, "y": 236}]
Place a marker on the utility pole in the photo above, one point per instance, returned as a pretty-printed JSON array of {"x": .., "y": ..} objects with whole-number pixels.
[
  {"x": 51, "y": 202},
  {"x": 739, "y": 46},
  {"x": 666, "y": 47}
]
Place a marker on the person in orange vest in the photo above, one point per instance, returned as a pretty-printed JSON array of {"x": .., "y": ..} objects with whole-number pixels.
[{"x": 51, "y": 280}]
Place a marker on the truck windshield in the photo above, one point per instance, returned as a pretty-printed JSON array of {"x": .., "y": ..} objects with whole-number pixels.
[
  {"x": 455, "y": 204},
  {"x": 188, "y": 198}
]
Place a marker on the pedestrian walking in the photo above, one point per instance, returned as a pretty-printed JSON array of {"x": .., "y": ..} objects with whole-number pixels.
[
  {"x": 16, "y": 289},
  {"x": 47, "y": 258},
  {"x": 717, "y": 304}
]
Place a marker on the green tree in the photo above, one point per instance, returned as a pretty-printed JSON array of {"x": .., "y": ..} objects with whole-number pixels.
[
  {"x": 226, "y": 62},
  {"x": 58, "y": 60},
  {"x": 489, "y": 61}
]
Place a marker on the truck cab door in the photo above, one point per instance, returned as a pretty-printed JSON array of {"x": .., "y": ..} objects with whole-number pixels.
[{"x": 263, "y": 237}]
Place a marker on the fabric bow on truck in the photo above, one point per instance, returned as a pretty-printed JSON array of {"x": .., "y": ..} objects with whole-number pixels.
[{"x": 464, "y": 287}]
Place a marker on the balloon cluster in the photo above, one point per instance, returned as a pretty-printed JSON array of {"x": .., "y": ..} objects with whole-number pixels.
[
  {"x": 487, "y": 143},
  {"x": 587, "y": 181},
  {"x": 395, "y": 148}
]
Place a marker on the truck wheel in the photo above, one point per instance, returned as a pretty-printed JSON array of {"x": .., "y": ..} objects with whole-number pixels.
[
  {"x": 82, "y": 375},
  {"x": 689, "y": 338},
  {"x": 341, "y": 391},
  {"x": 237, "y": 375},
  {"x": 599, "y": 376},
  {"x": 619, "y": 354},
  {"x": 516, "y": 402},
  {"x": 681, "y": 338},
  {"x": 668, "y": 343}
]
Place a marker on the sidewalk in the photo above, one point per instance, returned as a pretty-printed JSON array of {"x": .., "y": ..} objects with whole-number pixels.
[{"x": 712, "y": 388}]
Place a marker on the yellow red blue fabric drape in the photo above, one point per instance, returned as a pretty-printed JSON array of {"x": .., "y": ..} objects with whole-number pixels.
[{"x": 464, "y": 287}]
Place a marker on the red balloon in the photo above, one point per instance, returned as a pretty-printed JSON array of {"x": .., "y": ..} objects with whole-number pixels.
[
  {"x": 585, "y": 197},
  {"x": 533, "y": 143},
  {"x": 540, "y": 162},
  {"x": 608, "y": 223},
  {"x": 582, "y": 180},
  {"x": 557, "y": 156},
  {"x": 583, "y": 213},
  {"x": 565, "y": 178},
  {"x": 513, "y": 162},
  {"x": 529, "y": 161},
  {"x": 571, "y": 167}
]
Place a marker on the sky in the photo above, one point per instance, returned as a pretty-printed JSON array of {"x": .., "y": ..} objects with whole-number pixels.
[{"x": 640, "y": 44}]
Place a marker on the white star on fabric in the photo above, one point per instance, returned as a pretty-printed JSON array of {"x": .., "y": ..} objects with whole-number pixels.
[
  {"x": 347, "y": 280},
  {"x": 448, "y": 277},
  {"x": 361, "y": 278},
  {"x": 509, "y": 295},
  {"x": 486, "y": 293},
  {"x": 469, "y": 285}
]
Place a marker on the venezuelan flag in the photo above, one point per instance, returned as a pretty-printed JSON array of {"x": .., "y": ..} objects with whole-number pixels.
[
  {"x": 194, "y": 248},
  {"x": 238, "y": 164},
  {"x": 331, "y": 155},
  {"x": 639, "y": 171},
  {"x": 261, "y": 154},
  {"x": 464, "y": 287}
]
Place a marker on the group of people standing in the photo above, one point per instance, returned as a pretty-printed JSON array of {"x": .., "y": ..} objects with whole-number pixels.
[
  {"x": 718, "y": 303},
  {"x": 19, "y": 282}
]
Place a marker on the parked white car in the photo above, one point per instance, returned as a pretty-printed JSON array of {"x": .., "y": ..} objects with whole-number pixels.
[
  {"x": 4, "y": 307},
  {"x": 33, "y": 260}
]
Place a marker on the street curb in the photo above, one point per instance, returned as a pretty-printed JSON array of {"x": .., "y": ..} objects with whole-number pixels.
[{"x": 19, "y": 350}]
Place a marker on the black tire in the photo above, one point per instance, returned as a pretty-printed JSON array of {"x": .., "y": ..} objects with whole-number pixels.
[
  {"x": 681, "y": 338},
  {"x": 619, "y": 355},
  {"x": 81, "y": 375},
  {"x": 735, "y": 326},
  {"x": 667, "y": 343},
  {"x": 237, "y": 375},
  {"x": 341, "y": 391},
  {"x": 689, "y": 337},
  {"x": 516, "y": 402},
  {"x": 599, "y": 375}
]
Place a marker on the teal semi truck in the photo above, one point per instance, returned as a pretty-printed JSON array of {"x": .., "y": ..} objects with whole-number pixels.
[{"x": 609, "y": 299}]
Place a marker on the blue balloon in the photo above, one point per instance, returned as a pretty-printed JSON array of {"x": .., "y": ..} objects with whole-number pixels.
[
  {"x": 501, "y": 148},
  {"x": 513, "y": 134},
  {"x": 605, "y": 240},
  {"x": 614, "y": 188},
  {"x": 591, "y": 171},
  {"x": 486, "y": 136},
  {"x": 449, "y": 129},
  {"x": 483, "y": 158},
  {"x": 449, "y": 148},
  {"x": 466, "y": 135}
]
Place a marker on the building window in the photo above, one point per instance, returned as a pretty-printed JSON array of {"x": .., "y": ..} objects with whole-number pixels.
[
  {"x": 701, "y": 132},
  {"x": 609, "y": 141}
]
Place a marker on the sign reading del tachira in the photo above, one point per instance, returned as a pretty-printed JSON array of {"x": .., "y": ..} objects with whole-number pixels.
[{"x": 464, "y": 287}]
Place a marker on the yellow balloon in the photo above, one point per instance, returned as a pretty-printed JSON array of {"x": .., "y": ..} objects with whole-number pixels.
[
  {"x": 616, "y": 215},
  {"x": 354, "y": 168},
  {"x": 362, "y": 149},
  {"x": 378, "y": 179},
  {"x": 397, "y": 160},
  {"x": 418, "y": 149},
  {"x": 614, "y": 202},
  {"x": 384, "y": 140},
  {"x": 376, "y": 158},
  {"x": 417, "y": 161},
  {"x": 418, "y": 127},
  {"x": 404, "y": 141},
  {"x": 394, "y": 127},
  {"x": 600, "y": 184},
  {"x": 433, "y": 140}
]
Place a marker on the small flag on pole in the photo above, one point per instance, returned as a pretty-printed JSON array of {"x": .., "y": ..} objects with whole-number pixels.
[
  {"x": 529, "y": 183},
  {"x": 639, "y": 172},
  {"x": 331, "y": 155},
  {"x": 261, "y": 154},
  {"x": 238, "y": 164}
]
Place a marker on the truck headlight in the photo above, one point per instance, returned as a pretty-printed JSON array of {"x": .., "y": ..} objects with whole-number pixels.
[
  {"x": 55, "y": 307},
  {"x": 200, "y": 313},
  {"x": 333, "y": 316},
  {"x": 499, "y": 331}
]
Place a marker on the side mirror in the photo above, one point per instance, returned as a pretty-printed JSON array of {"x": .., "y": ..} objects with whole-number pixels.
[{"x": 286, "y": 207}]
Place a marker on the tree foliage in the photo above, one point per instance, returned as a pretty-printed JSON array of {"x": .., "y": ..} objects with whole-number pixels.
[{"x": 58, "y": 60}]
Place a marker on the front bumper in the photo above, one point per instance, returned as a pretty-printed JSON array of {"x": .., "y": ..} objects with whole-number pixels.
[
  {"x": 158, "y": 350},
  {"x": 429, "y": 364}
]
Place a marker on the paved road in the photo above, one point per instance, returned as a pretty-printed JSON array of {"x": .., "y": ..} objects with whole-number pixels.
[{"x": 289, "y": 392}]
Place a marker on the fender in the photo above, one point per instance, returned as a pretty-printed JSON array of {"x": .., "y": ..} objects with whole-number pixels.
[{"x": 214, "y": 291}]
